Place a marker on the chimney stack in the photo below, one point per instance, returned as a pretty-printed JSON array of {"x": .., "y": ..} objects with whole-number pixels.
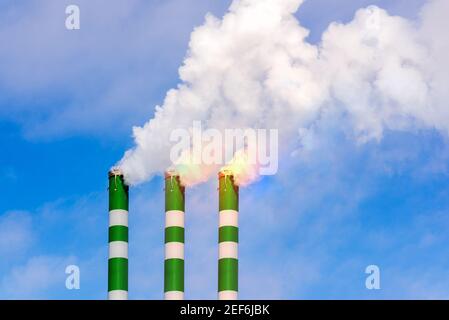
[
  {"x": 118, "y": 237},
  {"x": 228, "y": 236},
  {"x": 174, "y": 237}
]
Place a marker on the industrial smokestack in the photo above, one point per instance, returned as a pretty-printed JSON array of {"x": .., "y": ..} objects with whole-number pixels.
[
  {"x": 174, "y": 237},
  {"x": 228, "y": 236},
  {"x": 118, "y": 237}
]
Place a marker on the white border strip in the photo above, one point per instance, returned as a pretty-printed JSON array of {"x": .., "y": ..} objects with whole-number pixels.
[
  {"x": 174, "y": 218},
  {"x": 229, "y": 218},
  {"x": 227, "y": 295},
  {"x": 118, "y": 295},
  {"x": 118, "y": 217},
  {"x": 174, "y": 295},
  {"x": 174, "y": 250},
  {"x": 228, "y": 249},
  {"x": 118, "y": 249}
]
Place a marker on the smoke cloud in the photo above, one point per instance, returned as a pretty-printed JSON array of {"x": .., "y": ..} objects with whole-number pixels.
[{"x": 254, "y": 68}]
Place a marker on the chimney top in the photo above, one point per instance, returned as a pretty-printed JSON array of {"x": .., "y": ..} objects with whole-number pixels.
[
  {"x": 171, "y": 173},
  {"x": 115, "y": 171},
  {"x": 225, "y": 172}
]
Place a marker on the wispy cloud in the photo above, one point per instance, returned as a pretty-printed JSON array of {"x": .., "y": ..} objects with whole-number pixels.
[
  {"x": 16, "y": 233},
  {"x": 56, "y": 82},
  {"x": 39, "y": 278}
]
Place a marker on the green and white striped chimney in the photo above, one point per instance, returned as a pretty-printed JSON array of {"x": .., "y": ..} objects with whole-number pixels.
[
  {"x": 228, "y": 236},
  {"x": 174, "y": 237},
  {"x": 118, "y": 237}
]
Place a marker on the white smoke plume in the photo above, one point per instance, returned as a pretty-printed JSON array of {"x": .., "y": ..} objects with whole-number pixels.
[{"x": 255, "y": 68}]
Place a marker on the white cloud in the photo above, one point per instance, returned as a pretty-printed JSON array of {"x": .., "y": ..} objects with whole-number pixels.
[
  {"x": 36, "y": 279},
  {"x": 16, "y": 233},
  {"x": 37, "y": 246},
  {"x": 56, "y": 82},
  {"x": 254, "y": 67}
]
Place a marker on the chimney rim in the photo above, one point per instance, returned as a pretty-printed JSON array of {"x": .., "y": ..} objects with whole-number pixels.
[
  {"x": 115, "y": 171},
  {"x": 225, "y": 172},
  {"x": 169, "y": 173}
]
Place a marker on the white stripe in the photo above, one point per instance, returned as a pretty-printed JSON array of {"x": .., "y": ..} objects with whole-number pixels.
[
  {"x": 174, "y": 218},
  {"x": 229, "y": 218},
  {"x": 227, "y": 295},
  {"x": 118, "y": 249},
  {"x": 118, "y": 217},
  {"x": 174, "y": 295},
  {"x": 227, "y": 249},
  {"x": 174, "y": 250},
  {"x": 118, "y": 295}
]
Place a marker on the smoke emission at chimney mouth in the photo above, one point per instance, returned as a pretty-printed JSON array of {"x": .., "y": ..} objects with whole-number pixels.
[{"x": 255, "y": 68}]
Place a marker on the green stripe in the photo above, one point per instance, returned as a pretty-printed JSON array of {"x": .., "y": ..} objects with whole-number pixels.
[
  {"x": 228, "y": 233},
  {"x": 228, "y": 274},
  {"x": 118, "y": 193},
  {"x": 228, "y": 194},
  {"x": 174, "y": 275},
  {"x": 174, "y": 234},
  {"x": 118, "y": 274},
  {"x": 174, "y": 194},
  {"x": 118, "y": 233}
]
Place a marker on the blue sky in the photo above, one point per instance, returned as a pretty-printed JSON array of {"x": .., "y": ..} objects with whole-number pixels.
[{"x": 68, "y": 101}]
